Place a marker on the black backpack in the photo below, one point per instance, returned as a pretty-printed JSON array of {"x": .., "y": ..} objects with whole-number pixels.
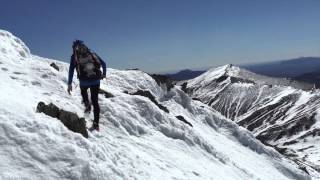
[{"x": 87, "y": 63}]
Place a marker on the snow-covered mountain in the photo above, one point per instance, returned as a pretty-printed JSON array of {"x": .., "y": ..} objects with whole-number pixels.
[
  {"x": 280, "y": 112},
  {"x": 137, "y": 139}
]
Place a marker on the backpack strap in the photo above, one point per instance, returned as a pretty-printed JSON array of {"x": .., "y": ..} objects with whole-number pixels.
[{"x": 94, "y": 58}]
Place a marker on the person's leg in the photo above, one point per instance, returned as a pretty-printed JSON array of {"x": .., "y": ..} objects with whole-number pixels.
[
  {"x": 84, "y": 94},
  {"x": 85, "y": 99},
  {"x": 94, "y": 99}
]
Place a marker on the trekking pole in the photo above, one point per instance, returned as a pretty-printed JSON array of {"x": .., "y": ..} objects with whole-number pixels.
[{"x": 75, "y": 85}]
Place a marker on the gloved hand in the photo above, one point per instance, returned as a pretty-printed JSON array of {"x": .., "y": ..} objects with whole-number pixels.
[{"x": 69, "y": 88}]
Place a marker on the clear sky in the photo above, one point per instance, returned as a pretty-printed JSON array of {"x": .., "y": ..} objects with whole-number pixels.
[{"x": 165, "y": 35}]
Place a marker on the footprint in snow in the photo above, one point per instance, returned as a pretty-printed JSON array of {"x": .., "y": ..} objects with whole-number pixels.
[
  {"x": 36, "y": 83},
  {"x": 4, "y": 69},
  {"x": 19, "y": 73}
]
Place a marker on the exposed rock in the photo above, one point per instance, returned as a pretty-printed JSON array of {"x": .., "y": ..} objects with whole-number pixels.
[
  {"x": 184, "y": 87},
  {"x": 240, "y": 80},
  {"x": 222, "y": 78},
  {"x": 288, "y": 129},
  {"x": 56, "y": 67},
  {"x": 181, "y": 118},
  {"x": 161, "y": 79},
  {"x": 69, "y": 119},
  {"x": 233, "y": 79},
  {"x": 263, "y": 105},
  {"x": 132, "y": 69},
  {"x": 196, "y": 99},
  {"x": 152, "y": 98},
  {"x": 290, "y": 142},
  {"x": 313, "y": 133},
  {"x": 105, "y": 93},
  {"x": 50, "y": 110}
]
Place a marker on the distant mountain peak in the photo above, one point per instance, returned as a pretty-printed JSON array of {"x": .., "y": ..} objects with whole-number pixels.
[
  {"x": 286, "y": 68},
  {"x": 184, "y": 74},
  {"x": 185, "y": 70},
  {"x": 277, "y": 110},
  {"x": 246, "y": 76}
]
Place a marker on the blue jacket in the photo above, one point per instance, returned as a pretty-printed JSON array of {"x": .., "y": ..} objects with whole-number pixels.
[{"x": 82, "y": 82}]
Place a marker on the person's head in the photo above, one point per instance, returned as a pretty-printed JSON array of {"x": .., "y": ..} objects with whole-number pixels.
[
  {"x": 79, "y": 46},
  {"x": 76, "y": 43}
]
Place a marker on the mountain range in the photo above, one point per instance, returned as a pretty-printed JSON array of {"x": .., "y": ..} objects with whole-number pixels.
[
  {"x": 290, "y": 68},
  {"x": 306, "y": 69}
]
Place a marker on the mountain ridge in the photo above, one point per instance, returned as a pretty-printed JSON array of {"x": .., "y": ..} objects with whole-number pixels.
[
  {"x": 277, "y": 114},
  {"x": 290, "y": 68},
  {"x": 184, "y": 74},
  {"x": 285, "y": 68}
]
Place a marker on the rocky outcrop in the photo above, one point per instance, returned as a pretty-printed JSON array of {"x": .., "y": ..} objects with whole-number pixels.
[
  {"x": 69, "y": 119},
  {"x": 56, "y": 67},
  {"x": 106, "y": 93},
  {"x": 279, "y": 116},
  {"x": 161, "y": 79},
  {"x": 152, "y": 98},
  {"x": 184, "y": 87},
  {"x": 181, "y": 118}
]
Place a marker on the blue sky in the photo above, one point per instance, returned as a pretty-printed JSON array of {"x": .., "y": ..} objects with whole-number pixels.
[{"x": 166, "y": 35}]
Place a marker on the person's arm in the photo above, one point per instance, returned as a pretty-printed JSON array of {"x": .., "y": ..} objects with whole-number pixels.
[
  {"x": 104, "y": 67},
  {"x": 71, "y": 72}
]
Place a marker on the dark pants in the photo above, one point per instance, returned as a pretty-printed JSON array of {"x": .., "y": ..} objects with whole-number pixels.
[{"x": 94, "y": 90}]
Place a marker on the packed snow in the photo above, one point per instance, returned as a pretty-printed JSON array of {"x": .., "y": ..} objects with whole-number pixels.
[
  {"x": 276, "y": 110},
  {"x": 234, "y": 71},
  {"x": 137, "y": 140}
]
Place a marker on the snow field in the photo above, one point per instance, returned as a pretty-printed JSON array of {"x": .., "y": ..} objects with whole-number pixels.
[{"x": 137, "y": 140}]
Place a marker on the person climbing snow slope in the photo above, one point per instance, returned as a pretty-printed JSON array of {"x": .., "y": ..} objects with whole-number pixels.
[{"x": 88, "y": 67}]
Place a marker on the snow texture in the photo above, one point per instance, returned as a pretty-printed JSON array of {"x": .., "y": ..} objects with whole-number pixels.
[
  {"x": 137, "y": 140},
  {"x": 278, "y": 111}
]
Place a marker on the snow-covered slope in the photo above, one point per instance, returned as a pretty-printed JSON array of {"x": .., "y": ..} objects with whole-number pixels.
[
  {"x": 137, "y": 140},
  {"x": 277, "y": 113}
]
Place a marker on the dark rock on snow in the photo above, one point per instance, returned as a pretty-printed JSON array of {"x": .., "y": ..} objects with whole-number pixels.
[
  {"x": 152, "y": 98},
  {"x": 69, "y": 119},
  {"x": 184, "y": 87},
  {"x": 132, "y": 69},
  {"x": 181, "y": 118},
  {"x": 105, "y": 93},
  {"x": 161, "y": 79},
  {"x": 54, "y": 66}
]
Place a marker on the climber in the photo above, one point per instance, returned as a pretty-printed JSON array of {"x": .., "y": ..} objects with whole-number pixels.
[{"x": 88, "y": 65}]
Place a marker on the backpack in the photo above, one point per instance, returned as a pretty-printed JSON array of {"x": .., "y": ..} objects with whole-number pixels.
[{"x": 87, "y": 63}]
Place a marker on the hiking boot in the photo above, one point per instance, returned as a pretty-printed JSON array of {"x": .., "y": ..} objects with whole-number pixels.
[
  {"x": 95, "y": 126},
  {"x": 87, "y": 108}
]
